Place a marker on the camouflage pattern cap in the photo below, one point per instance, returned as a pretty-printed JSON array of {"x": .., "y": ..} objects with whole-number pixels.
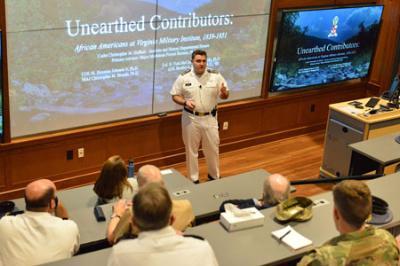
[{"x": 294, "y": 209}]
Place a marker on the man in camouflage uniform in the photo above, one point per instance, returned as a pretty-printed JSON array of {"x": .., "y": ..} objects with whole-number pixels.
[{"x": 358, "y": 244}]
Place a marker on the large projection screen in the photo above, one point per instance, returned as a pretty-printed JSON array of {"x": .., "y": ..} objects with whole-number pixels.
[{"x": 84, "y": 62}]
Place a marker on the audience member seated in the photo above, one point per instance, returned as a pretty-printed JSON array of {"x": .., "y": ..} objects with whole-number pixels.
[
  {"x": 276, "y": 189},
  {"x": 121, "y": 220},
  {"x": 358, "y": 243},
  {"x": 398, "y": 241},
  {"x": 113, "y": 183},
  {"x": 158, "y": 243},
  {"x": 36, "y": 236}
]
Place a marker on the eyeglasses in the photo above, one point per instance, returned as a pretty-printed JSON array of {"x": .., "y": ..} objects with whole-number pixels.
[{"x": 56, "y": 202}]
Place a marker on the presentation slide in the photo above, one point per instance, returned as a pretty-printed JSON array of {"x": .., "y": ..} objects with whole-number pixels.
[
  {"x": 325, "y": 46},
  {"x": 84, "y": 62}
]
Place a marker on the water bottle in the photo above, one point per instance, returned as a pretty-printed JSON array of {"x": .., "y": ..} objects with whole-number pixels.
[{"x": 131, "y": 168}]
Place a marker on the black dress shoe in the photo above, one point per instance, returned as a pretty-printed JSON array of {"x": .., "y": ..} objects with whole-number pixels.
[
  {"x": 196, "y": 182},
  {"x": 210, "y": 178}
]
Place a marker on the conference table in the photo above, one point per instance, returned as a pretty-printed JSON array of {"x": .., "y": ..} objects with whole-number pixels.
[
  {"x": 206, "y": 199},
  {"x": 374, "y": 154},
  {"x": 84, "y": 196},
  {"x": 256, "y": 246},
  {"x": 80, "y": 204}
]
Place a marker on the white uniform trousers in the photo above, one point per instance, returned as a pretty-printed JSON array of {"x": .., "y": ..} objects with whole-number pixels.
[{"x": 204, "y": 130}]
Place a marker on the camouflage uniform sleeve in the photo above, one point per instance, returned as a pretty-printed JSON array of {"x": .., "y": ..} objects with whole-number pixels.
[
  {"x": 391, "y": 252},
  {"x": 310, "y": 259},
  {"x": 324, "y": 256}
]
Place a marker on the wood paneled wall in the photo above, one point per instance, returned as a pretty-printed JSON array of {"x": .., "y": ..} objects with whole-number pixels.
[
  {"x": 383, "y": 64},
  {"x": 157, "y": 140}
]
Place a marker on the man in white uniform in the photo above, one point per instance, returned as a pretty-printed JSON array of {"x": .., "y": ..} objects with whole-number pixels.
[
  {"x": 197, "y": 90},
  {"x": 157, "y": 242},
  {"x": 37, "y": 236}
]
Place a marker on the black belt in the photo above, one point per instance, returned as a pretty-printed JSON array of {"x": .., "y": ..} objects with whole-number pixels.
[{"x": 213, "y": 112}]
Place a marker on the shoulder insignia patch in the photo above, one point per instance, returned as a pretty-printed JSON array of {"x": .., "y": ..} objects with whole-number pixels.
[
  {"x": 213, "y": 71},
  {"x": 186, "y": 71}
]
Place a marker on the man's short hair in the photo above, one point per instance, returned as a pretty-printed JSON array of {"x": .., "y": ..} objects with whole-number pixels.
[
  {"x": 353, "y": 200},
  {"x": 198, "y": 52},
  {"x": 152, "y": 207},
  {"x": 149, "y": 173},
  {"x": 273, "y": 197},
  {"x": 41, "y": 202}
]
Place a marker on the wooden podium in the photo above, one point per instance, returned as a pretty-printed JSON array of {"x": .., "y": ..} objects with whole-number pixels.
[{"x": 348, "y": 124}]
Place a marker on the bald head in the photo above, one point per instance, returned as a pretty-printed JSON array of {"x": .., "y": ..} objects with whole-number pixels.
[
  {"x": 276, "y": 189},
  {"x": 149, "y": 174},
  {"x": 38, "y": 194}
]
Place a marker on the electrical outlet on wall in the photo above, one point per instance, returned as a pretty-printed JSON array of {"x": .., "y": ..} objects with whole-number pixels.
[
  {"x": 81, "y": 152},
  {"x": 225, "y": 125}
]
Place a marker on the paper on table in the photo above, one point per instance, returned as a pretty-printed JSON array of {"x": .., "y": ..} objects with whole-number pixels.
[
  {"x": 293, "y": 239},
  {"x": 166, "y": 172},
  {"x": 352, "y": 110}
]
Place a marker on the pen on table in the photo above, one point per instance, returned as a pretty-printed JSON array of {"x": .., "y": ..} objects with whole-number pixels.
[{"x": 285, "y": 234}]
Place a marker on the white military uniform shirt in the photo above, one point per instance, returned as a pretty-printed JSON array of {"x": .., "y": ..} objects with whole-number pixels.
[
  {"x": 162, "y": 247},
  {"x": 204, "y": 91},
  {"x": 36, "y": 237}
]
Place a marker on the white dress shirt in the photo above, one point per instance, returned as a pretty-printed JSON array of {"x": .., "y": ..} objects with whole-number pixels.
[
  {"x": 36, "y": 237},
  {"x": 162, "y": 247}
]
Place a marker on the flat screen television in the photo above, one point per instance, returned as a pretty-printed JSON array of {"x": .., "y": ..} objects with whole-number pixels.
[{"x": 323, "y": 46}]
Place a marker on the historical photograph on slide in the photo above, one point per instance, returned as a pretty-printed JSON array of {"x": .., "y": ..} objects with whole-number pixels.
[{"x": 85, "y": 62}]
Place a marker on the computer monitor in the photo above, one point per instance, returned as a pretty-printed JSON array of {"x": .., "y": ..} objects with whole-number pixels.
[
  {"x": 393, "y": 94},
  {"x": 389, "y": 93}
]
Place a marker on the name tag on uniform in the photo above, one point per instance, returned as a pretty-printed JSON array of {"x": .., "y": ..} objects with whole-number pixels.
[{"x": 188, "y": 84}]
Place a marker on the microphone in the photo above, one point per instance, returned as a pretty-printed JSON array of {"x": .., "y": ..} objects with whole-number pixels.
[{"x": 200, "y": 86}]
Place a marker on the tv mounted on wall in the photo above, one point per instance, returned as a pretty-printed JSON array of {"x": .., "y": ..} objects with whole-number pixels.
[{"x": 323, "y": 46}]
